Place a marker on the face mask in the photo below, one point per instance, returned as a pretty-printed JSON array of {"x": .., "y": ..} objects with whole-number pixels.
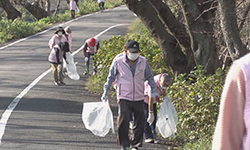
[
  {"x": 133, "y": 56},
  {"x": 59, "y": 33}
]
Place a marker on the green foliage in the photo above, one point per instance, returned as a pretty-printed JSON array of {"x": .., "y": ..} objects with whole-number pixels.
[
  {"x": 197, "y": 99},
  {"x": 113, "y": 3},
  {"x": 201, "y": 144},
  {"x": 18, "y": 29},
  {"x": 88, "y": 6}
]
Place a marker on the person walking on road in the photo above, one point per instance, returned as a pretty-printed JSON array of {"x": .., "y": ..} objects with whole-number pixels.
[
  {"x": 72, "y": 8},
  {"x": 101, "y": 4},
  {"x": 90, "y": 48},
  {"x": 162, "y": 82},
  {"x": 56, "y": 58},
  {"x": 58, "y": 37},
  {"x": 130, "y": 71}
]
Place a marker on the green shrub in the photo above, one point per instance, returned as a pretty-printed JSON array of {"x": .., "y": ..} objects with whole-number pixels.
[{"x": 197, "y": 99}]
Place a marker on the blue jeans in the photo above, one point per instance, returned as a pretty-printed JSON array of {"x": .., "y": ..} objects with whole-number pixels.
[{"x": 149, "y": 131}]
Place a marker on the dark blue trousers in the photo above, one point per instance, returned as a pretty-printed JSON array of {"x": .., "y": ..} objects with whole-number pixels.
[{"x": 149, "y": 131}]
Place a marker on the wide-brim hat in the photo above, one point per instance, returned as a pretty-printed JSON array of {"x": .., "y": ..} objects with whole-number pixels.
[
  {"x": 132, "y": 46},
  {"x": 60, "y": 29}
]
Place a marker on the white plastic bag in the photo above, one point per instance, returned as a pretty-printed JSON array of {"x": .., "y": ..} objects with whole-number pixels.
[
  {"x": 71, "y": 67},
  {"x": 167, "y": 119},
  {"x": 77, "y": 10},
  {"x": 98, "y": 118}
]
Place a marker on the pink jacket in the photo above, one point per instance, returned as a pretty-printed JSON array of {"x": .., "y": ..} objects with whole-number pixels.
[
  {"x": 72, "y": 5},
  {"x": 232, "y": 130},
  {"x": 52, "y": 56},
  {"x": 56, "y": 40},
  {"x": 129, "y": 87},
  {"x": 159, "y": 90}
]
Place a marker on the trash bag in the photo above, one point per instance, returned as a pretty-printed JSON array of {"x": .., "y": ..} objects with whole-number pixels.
[
  {"x": 71, "y": 67},
  {"x": 98, "y": 118},
  {"x": 167, "y": 119}
]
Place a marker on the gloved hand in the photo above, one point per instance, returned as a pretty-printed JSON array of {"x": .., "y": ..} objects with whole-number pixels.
[
  {"x": 155, "y": 95},
  {"x": 86, "y": 59},
  {"x": 151, "y": 117},
  {"x": 104, "y": 98}
]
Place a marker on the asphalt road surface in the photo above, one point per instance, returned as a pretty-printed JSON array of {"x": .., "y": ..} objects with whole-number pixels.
[{"x": 36, "y": 114}]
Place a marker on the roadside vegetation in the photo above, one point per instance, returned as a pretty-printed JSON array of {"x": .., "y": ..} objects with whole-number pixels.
[
  {"x": 196, "y": 96},
  {"x": 28, "y": 25}
]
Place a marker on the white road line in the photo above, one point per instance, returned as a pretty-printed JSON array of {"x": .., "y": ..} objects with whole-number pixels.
[{"x": 6, "y": 115}]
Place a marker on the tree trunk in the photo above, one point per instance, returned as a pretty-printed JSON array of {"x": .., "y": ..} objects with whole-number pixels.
[
  {"x": 201, "y": 33},
  {"x": 230, "y": 29},
  {"x": 172, "y": 53},
  {"x": 176, "y": 28},
  {"x": 12, "y": 12},
  {"x": 57, "y": 6},
  {"x": 47, "y": 6},
  {"x": 245, "y": 13},
  {"x": 34, "y": 9}
]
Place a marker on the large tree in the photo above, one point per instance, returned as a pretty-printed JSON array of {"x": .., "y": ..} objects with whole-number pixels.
[
  {"x": 34, "y": 8},
  {"x": 12, "y": 12},
  {"x": 191, "y": 41}
]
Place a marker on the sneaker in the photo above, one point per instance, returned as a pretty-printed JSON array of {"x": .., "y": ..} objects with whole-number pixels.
[
  {"x": 156, "y": 141},
  {"x": 57, "y": 84},
  {"x": 85, "y": 73},
  {"x": 149, "y": 140},
  {"x": 134, "y": 148},
  {"x": 62, "y": 83}
]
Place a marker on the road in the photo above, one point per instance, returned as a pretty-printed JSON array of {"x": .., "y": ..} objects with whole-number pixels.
[{"x": 36, "y": 114}]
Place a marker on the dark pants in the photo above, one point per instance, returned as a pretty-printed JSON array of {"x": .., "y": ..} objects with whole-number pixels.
[
  {"x": 125, "y": 109},
  {"x": 87, "y": 64},
  {"x": 73, "y": 14},
  {"x": 149, "y": 131},
  {"x": 101, "y": 5}
]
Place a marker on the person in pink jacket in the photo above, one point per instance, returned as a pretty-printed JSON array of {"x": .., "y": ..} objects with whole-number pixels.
[
  {"x": 72, "y": 8},
  {"x": 58, "y": 37},
  {"x": 233, "y": 124},
  {"x": 162, "y": 81},
  {"x": 129, "y": 70},
  {"x": 55, "y": 58}
]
